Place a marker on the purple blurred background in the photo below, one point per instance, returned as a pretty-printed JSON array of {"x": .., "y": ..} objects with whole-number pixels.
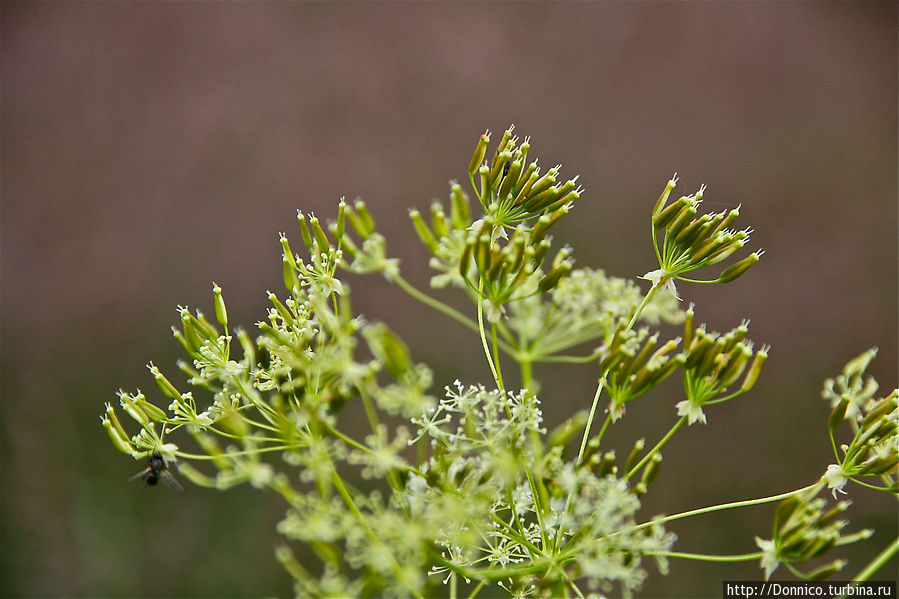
[{"x": 149, "y": 149}]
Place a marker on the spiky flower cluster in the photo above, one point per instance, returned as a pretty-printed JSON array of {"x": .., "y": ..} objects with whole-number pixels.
[{"x": 469, "y": 493}]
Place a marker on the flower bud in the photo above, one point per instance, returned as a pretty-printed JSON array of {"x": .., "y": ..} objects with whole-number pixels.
[{"x": 479, "y": 152}]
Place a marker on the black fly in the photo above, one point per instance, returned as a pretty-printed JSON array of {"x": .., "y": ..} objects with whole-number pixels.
[{"x": 157, "y": 471}]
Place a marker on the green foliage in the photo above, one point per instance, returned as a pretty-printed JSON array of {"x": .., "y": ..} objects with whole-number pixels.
[{"x": 466, "y": 491}]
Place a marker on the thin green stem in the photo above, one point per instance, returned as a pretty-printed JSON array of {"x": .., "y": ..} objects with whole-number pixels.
[
  {"x": 658, "y": 446},
  {"x": 743, "y": 557},
  {"x": 496, "y": 363},
  {"x": 725, "y": 506},
  {"x": 878, "y": 562},
  {"x": 445, "y": 309}
]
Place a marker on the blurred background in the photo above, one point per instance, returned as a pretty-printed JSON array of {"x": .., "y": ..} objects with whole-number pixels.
[{"x": 149, "y": 149}]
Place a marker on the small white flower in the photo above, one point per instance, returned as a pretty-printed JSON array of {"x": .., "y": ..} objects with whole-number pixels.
[
  {"x": 658, "y": 276},
  {"x": 836, "y": 478},
  {"x": 769, "y": 556},
  {"x": 691, "y": 410}
]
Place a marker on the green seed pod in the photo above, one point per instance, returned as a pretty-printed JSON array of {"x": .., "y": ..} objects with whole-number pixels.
[
  {"x": 119, "y": 441},
  {"x": 607, "y": 465},
  {"x": 484, "y": 171},
  {"x": 479, "y": 152},
  {"x": 319, "y": 234},
  {"x": 460, "y": 214},
  {"x": 155, "y": 413},
  {"x": 827, "y": 570},
  {"x": 881, "y": 408},
  {"x": 634, "y": 456},
  {"x": 683, "y": 219},
  {"x": 439, "y": 221},
  {"x": 660, "y": 204},
  {"x": 510, "y": 179},
  {"x": 114, "y": 420},
  {"x": 670, "y": 213},
  {"x": 724, "y": 252},
  {"x": 531, "y": 175},
  {"x": 285, "y": 314},
  {"x": 341, "y": 220},
  {"x": 221, "y": 313},
  {"x": 504, "y": 141},
  {"x": 689, "y": 235},
  {"x": 499, "y": 164},
  {"x": 465, "y": 260},
  {"x": 651, "y": 470},
  {"x": 563, "y": 202},
  {"x": 365, "y": 219},
  {"x": 710, "y": 245},
  {"x": 527, "y": 175},
  {"x": 166, "y": 386},
  {"x": 756, "y": 369},
  {"x": 726, "y": 222},
  {"x": 285, "y": 249},
  {"x": 552, "y": 278},
  {"x": 735, "y": 270},
  {"x": 543, "y": 183},
  {"x": 838, "y": 414},
  {"x": 289, "y": 274},
  {"x": 388, "y": 349},
  {"x": 424, "y": 233},
  {"x": 857, "y": 365},
  {"x": 249, "y": 349},
  {"x": 304, "y": 231}
]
